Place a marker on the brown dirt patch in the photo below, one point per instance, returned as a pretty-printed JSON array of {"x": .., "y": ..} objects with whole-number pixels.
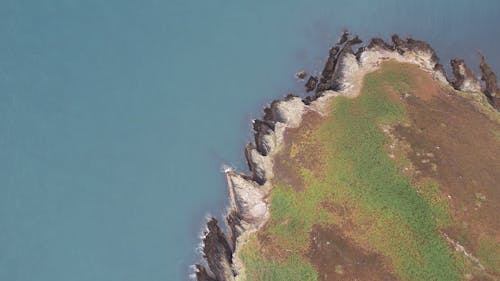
[
  {"x": 422, "y": 85},
  {"x": 454, "y": 144},
  {"x": 300, "y": 150},
  {"x": 337, "y": 258},
  {"x": 269, "y": 247}
]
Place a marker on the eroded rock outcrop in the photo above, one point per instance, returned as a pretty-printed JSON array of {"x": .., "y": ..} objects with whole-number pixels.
[
  {"x": 465, "y": 80},
  {"x": 301, "y": 74},
  {"x": 262, "y": 129},
  {"x": 339, "y": 61},
  {"x": 311, "y": 84},
  {"x": 202, "y": 274},
  {"x": 217, "y": 253},
  {"x": 491, "y": 86}
]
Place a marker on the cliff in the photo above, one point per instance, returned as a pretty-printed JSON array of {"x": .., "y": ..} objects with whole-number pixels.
[{"x": 342, "y": 74}]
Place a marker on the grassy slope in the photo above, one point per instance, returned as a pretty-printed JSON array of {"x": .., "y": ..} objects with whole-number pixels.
[{"x": 393, "y": 218}]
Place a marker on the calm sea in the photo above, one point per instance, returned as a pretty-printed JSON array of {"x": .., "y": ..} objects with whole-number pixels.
[{"x": 116, "y": 116}]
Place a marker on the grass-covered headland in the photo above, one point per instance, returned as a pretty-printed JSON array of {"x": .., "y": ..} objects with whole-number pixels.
[{"x": 345, "y": 179}]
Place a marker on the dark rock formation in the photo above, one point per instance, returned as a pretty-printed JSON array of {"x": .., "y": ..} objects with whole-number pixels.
[
  {"x": 217, "y": 253},
  {"x": 355, "y": 41},
  {"x": 359, "y": 52},
  {"x": 307, "y": 100},
  {"x": 311, "y": 83},
  {"x": 491, "y": 85},
  {"x": 255, "y": 175},
  {"x": 261, "y": 129},
  {"x": 328, "y": 69},
  {"x": 269, "y": 112},
  {"x": 301, "y": 74},
  {"x": 331, "y": 69},
  {"x": 202, "y": 274},
  {"x": 409, "y": 44},
  {"x": 289, "y": 97},
  {"x": 380, "y": 43},
  {"x": 404, "y": 45},
  {"x": 339, "y": 66},
  {"x": 233, "y": 221},
  {"x": 343, "y": 38},
  {"x": 465, "y": 80}
]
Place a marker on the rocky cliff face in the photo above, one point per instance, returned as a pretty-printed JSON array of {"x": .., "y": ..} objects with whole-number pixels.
[
  {"x": 249, "y": 208},
  {"x": 217, "y": 253},
  {"x": 491, "y": 86},
  {"x": 465, "y": 80}
]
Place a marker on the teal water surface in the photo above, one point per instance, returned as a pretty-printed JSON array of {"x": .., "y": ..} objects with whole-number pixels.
[{"x": 116, "y": 116}]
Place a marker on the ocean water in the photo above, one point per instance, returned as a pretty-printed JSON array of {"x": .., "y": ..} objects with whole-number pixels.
[{"x": 116, "y": 116}]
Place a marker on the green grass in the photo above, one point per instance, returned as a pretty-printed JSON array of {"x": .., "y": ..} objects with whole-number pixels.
[
  {"x": 429, "y": 191},
  {"x": 360, "y": 164},
  {"x": 397, "y": 221},
  {"x": 294, "y": 268},
  {"x": 293, "y": 213}
]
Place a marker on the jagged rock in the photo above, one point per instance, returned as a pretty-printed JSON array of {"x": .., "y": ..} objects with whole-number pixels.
[
  {"x": 423, "y": 54},
  {"x": 234, "y": 227},
  {"x": 258, "y": 174},
  {"x": 308, "y": 100},
  {"x": 398, "y": 44},
  {"x": 346, "y": 65},
  {"x": 465, "y": 80},
  {"x": 217, "y": 253},
  {"x": 416, "y": 46},
  {"x": 289, "y": 97},
  {"x": 359, "y": 52},
  {"x": 311, "y": 83},
  {"x": 330, "y": 62},
  {"x": 251, "y": 165},
  {"x": 262, "y": 129},
  {"x": 269, "y": 112},
  {"x": 289, "y": 112},
  {"x": 301, "y": 74},
  {"x": 379, "y": 43},
  {"x": 355, "y": 41},
  {"x": 249, "y": 198},
  {"x": 335, "y": 63},
  {"x": 259, "y": 165},
  {"x": 491, "y": 85},
  {"x": 202, "y": 274},
  {"x": 343, "y": 38},
  {"x": 440, "y": 71},
  {"x": 323, "y": 86}
]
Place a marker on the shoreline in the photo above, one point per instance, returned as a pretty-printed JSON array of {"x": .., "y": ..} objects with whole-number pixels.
[{"x": 342, "y": 75}]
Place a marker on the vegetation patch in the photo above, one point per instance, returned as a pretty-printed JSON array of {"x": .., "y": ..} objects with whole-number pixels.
[
  {"x": 404, "y": 222},
  {"x": 257, "y": 267}
]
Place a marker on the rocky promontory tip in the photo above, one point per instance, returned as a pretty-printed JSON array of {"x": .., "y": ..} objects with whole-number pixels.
[
  {"x": 249, "y": 209},
  {"x": 465, "y": 80},
  {"x": 217, "y": 253},
  {"x": 491, "y": 86}
]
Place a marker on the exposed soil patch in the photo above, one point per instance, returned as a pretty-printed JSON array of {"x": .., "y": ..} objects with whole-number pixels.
[
  {"x": 455, "y": 144},
  {"x": 299, "y": 150},
  {"x": 336, "y": 258},
  {"x": 269, "y": 248}
]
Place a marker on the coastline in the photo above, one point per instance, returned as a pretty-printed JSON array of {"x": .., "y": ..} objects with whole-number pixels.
[{"x": 342, "y": 75}]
